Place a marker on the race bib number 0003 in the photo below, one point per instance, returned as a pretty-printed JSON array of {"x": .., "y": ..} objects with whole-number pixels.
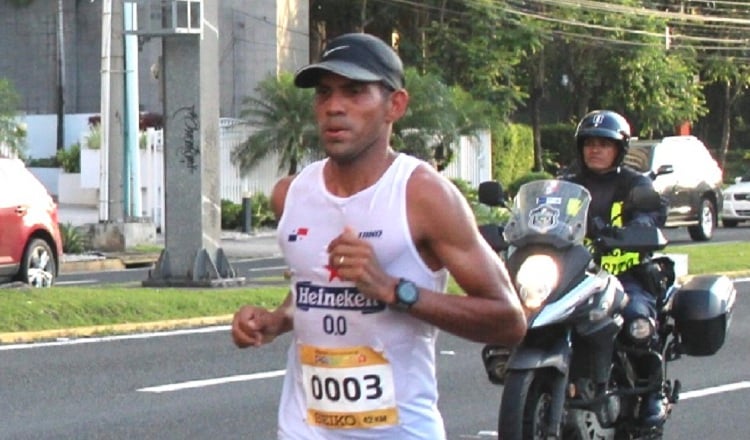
[{"x": 348, "y": 388}]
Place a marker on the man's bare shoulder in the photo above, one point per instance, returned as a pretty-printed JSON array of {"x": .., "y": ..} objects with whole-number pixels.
[
  {"x": 278, "y": 194},
  {"x": 435, "y": 205},
  {"x": 427, "y": 185}
]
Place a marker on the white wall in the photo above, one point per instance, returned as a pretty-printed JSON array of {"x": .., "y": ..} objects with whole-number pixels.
[
  {"x": 49, "y": 178},
  {"x": 41, "y": 138}
]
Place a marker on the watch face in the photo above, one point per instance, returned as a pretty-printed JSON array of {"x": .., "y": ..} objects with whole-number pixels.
[{"x": 407, "y": 292}]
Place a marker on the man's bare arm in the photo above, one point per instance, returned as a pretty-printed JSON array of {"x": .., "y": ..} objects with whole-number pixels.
[{"x": 491, "y": 311}]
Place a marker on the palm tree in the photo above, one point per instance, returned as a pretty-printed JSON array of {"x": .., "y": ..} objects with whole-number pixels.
[{"x": 283, "y": 120}]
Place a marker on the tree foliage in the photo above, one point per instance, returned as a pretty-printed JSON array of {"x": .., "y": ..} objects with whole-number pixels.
[
  {"x": 659, "y": 92},
  {"x": 733, "y": 77},
  {"x": 551, "y": 62},
  {"x": 283, "y": 122},
  {"x": 12, "y": 133},
  {"x": 437, "y": 115},
  {"x": 478, "y": 47}
]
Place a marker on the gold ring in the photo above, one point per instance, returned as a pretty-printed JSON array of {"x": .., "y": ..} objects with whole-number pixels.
[{"x": 341, "y": 260}]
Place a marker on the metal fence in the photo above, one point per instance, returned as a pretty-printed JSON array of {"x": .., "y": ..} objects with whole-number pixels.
[
  {"x": 234, "y": 185},
  {"x": 472, "y": 162},
  {"x": 472, "y": 159}
]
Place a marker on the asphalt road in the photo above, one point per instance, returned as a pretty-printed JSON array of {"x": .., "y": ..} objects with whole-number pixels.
[{"x": 196, "y": 385}]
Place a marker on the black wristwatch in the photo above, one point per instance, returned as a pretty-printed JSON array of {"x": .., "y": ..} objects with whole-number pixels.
[{"x": 407, "y": 294}]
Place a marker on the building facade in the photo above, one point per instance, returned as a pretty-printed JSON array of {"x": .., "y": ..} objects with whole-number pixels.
[{"x": 38, "y": 37}]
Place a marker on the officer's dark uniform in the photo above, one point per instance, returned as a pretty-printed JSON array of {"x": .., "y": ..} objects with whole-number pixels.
[{"x": 608, "y": 192}]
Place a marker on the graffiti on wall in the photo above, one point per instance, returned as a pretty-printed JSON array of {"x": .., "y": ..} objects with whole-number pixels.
[{"x": 190, "y": 151}]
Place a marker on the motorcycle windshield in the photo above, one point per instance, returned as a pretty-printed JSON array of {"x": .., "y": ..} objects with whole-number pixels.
[{"x": 548, "y": 211}]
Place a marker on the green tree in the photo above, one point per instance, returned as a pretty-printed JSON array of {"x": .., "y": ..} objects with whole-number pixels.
[
  {"x": 478, "y": 47},
  {"x": 659, "y": 91},
  {"x": 616, "y": 58},
  {"x": 533, "y": 71},
  {"x": 12, "y": 133},
  {"x": 554, "y": 61},
  {"x": 437, "y": 115},
  {"x": 734, "y": 79},
  {"x": 283, "y": 122},
  {"x": 475, "y": 45}
]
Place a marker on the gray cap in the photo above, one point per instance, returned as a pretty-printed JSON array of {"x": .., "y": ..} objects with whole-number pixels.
[{"x": 361, "y": 57}]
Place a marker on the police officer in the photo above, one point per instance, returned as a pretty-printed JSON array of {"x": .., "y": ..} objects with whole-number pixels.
[{"x": 602, "y": 140}]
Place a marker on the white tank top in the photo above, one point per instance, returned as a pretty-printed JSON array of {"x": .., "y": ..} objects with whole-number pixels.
[{"x": 356, "y": 369}]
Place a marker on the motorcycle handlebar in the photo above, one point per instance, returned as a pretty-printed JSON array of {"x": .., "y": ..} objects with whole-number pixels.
[
  {"x": 493, "y": 235},
  {"x": 634, "y": 238}
]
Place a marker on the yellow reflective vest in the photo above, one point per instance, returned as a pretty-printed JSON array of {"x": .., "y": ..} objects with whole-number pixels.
[{"x": 617, "y": 261}]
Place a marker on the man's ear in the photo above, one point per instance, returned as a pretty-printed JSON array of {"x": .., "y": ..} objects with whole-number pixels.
[{"x": 399, "y": 101}]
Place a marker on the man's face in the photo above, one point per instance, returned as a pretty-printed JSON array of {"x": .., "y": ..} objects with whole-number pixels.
[
  {"x": 352, "y": 116},
  {"x": 599, "y": 154}
]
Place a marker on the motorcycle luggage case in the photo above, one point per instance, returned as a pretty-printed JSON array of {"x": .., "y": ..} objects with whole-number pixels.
[{"x": 702, "y": 310}]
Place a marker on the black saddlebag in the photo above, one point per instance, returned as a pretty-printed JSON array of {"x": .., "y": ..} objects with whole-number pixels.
[{"x": 702, "y": 310}]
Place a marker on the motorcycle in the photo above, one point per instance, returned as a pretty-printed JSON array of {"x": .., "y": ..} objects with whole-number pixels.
[{"x": 575, "y": 375}]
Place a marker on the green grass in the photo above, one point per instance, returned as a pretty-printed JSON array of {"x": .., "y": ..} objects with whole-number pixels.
[
  {"x": 64, "y": 307},
  {"x": 24, "y": 309},
  {"x": 146, "y": 248},
  {"x": 715, "y": 257}
]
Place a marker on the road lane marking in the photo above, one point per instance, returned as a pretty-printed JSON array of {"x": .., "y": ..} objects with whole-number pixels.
[
  {"x": 714, "y": 390},
  {"x": 222, "y": 380},
  {"x": 210, "y": 382},
  {"x": 93, "y": 339},
  {"x": 261, "y": 269}
]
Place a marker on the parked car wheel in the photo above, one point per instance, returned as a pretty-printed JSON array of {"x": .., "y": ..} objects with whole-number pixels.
[
  {"x": 687, "y": 176},
  {"x": 38, "y": 267},
  {"x": 704, "y": 230},
  {"x": 729, "y": 223}
]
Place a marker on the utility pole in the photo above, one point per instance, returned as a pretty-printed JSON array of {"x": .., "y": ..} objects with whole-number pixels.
[
  {"x": 60, "y": 76},
  {"x": 192, "y": 254},
  {"x": 132, "y": 177},
  {"x": 112, "y": 159}
]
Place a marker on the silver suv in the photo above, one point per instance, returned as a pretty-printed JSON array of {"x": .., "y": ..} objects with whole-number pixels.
[{"x": 687, "y": 176}]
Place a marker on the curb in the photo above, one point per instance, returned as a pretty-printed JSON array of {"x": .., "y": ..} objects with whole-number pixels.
[
  {"x": 68, "y": 267},
  {"x": 108, "y": 263}
]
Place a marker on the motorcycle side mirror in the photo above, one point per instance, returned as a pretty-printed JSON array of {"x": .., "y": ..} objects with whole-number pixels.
[
  {"x": 643, "y": 198},
  {"x": 491, "y": 193},
  {"x": 662, "y": 170}
]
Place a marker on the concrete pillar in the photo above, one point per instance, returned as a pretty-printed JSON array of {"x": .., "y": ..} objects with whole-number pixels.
[
  {"x": 116, "y": 146},
  {"x": 192, "y": 255}
]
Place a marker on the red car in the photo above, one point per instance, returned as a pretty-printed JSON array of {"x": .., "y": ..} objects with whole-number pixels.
[{"x": 30, "y": 243}]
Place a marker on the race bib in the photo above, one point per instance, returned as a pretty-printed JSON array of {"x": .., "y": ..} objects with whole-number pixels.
[{"x": 348, "y": 388}]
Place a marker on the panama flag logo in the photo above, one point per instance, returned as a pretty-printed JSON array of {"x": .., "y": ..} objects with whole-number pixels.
[{"x": 297, "y": 234}]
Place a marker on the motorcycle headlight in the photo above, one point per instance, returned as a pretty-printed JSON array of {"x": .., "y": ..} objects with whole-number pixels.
[{"x": 536, "y": 279}]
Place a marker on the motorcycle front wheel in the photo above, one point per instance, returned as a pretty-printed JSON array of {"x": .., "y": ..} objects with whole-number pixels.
[{"x": 526, "y": 405}]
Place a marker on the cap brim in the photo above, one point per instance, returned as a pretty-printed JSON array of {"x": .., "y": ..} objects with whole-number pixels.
[{"x": 309, "y": 76}]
